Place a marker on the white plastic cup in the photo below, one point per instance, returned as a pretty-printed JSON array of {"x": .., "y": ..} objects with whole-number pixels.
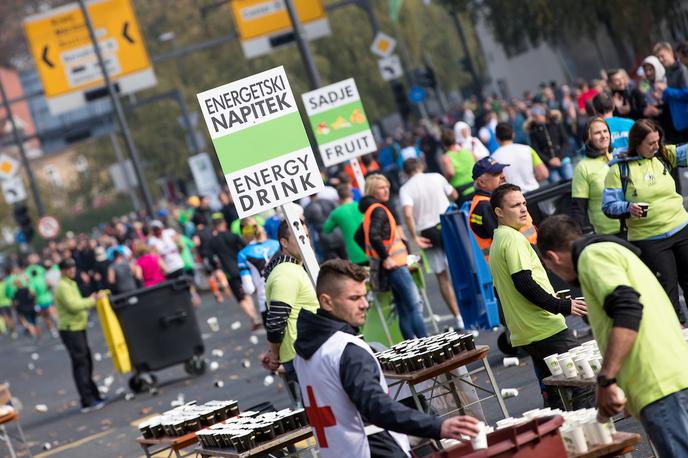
[
  {"x": 595, "y": 364},
  {"x": 583, "y": 366},
  {"x": 568, "y": 366},
  {"x": 590, "y": 431},
  {"x": 214, "y": 324},
  {"x": 563, "y": 294},
  {"x": 479, "y": 442},
  {"x": 553, "y": 364}
]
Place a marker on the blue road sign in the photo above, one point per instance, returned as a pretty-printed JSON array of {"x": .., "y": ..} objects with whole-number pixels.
[{"x": 417, "y": 94}]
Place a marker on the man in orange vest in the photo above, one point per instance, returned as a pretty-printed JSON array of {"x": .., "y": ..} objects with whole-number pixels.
[{"x": 489, "y": 175}]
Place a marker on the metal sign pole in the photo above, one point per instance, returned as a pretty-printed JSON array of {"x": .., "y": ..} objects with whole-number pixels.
[
  {"x": 119, "y": 113},
  {"x": 300, "y": 233},
  {"x": 22, "y": 152},
  {"x": 311, "y": 69}
]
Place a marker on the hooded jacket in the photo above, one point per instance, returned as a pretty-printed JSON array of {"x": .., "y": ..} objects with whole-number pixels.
[{"x": 360, "y": 379}]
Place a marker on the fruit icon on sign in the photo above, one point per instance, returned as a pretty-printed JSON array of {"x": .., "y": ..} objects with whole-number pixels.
[
  {"x": 323, "y": 129},
  {"x": 340, "y": 123},
  {"x": 357, "y": 117}
]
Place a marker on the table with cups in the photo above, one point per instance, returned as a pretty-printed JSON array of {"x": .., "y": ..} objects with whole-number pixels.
[
  {"x": 578, "y": 367},
  {"x": 222, "y": 430},
  {"x": 436, "y": 359}
]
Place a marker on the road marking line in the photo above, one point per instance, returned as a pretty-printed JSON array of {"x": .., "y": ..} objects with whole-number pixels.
[{"x": 74, "y": 444}]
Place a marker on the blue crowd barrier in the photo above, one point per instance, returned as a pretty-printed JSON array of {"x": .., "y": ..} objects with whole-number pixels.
[{"x": 469, "y": 271}]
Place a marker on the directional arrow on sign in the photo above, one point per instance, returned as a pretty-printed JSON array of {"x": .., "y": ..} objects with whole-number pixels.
[
  {"x": 125, "y": 33},
  {"x": 44, "y": 56}
]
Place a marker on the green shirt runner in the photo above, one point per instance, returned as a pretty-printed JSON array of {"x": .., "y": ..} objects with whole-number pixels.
[
  {"x": 347, "y": 218},
  {"x": 656, "y": 365},
  {"x": 511, "y": 253},
  {"x": 462, "y": 161},
  {"x": 588, "y": 183}
]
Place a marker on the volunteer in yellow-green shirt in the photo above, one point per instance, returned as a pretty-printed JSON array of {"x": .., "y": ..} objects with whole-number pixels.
[
  {"x": 458, "y": 167},
  {"x": 588, "y": 180},
  {"x": 641, "y": 177},
  {"x": 288, "y": 289},
  {"x": 635, "y": 327},
  {"x": 72, "y": 321},
  {"x": 533, "y": 314}
]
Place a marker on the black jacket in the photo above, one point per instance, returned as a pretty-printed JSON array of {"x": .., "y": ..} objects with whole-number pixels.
[
  {"x": 225, "y": 246},
  {"x": 636, "y": 101},
  {"x": 549, "y": 140},
  {"x": 360, "y": 378},
  {"x": 677, "y": 76}
]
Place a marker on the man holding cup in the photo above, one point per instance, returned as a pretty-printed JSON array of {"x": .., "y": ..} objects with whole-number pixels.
[
  {"x": 635, "y": 326},
  {"x": 533, "y": 313},
  {"x": 342, "y": 384}
]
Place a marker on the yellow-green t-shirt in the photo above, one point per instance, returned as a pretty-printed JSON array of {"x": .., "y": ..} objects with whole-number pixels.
[
  {"x": 588, "y": 183},
  {"x": 289, "y": 283},
  {"x": 656, "y": 365},
  {"x": 511, "y": 253},
  {"x": 650, "y": 182}
]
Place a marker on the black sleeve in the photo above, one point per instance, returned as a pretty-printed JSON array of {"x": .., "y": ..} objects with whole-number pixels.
[
  {"x": 276, "y": 321},
  {"x": 624, "y": 308},
  {"x": 359, "y": 238},
  {"x": 361, "y": 380},
  {"x": 637, "y": 104},
  {"x": 483, "y": 220},
  {"x": 538, "y": 147},
  {"x": 563, "y": 141},
  {"x": 378, "y": 220},
  {"x": 524, "y": 283},
  {"x": 579, "y": 211}
]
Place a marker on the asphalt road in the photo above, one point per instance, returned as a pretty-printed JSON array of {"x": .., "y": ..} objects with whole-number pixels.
[{"x": 40, "y": 373}]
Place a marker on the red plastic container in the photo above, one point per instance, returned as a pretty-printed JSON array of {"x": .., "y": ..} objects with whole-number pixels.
[{"x": 538, "y": 438}]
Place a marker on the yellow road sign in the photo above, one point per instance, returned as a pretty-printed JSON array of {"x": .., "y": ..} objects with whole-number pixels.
[
  {"x": 63, "y": 52},
  {"x": 255, "y": 18}
]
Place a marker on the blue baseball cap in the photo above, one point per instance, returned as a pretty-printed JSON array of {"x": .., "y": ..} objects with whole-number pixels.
[{"x": 487, "y": 165}]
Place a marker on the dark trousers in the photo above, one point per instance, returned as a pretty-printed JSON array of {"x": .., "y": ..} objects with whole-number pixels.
[
  {"x": 82, "y": 365},
  {"x": 558, "y": 343},
  {"x": 668, "y": 260}
]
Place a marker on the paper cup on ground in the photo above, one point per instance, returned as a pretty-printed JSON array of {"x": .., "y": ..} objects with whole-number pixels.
[
  {"x": 510, "y": 361},
  {"x": 509, "y": 393},
  {"x": 479, "y": 442},
  {"x": 214, "y": 324},
  {"x": 553, "y": 364},
  {"x": 568, "y": 366},
  {"x": 583, "y": 366}
]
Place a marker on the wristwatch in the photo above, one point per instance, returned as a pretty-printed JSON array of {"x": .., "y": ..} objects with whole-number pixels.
[{"x": 604, "y": 381}]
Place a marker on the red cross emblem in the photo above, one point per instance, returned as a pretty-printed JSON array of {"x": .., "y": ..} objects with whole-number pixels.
[{"x": 319, "y": 417}]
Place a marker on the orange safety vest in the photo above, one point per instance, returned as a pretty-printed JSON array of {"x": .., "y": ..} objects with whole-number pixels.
[
  {"x": 528, "y": 230},
  {"x": 395, "y": 246}
]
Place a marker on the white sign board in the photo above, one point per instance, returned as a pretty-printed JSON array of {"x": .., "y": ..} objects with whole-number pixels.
[
  {"x": 383, "y": 45},
  {"x": 48, "y": 227},
  {"x": 260, "y": 141},
  {"x": 390, "y": 68},
  {"x": 9, "y": 166},
  {"x": 204, "y": 176},
  {"x": 339, "y": 122},
  {"x": 13, "y": 190}
]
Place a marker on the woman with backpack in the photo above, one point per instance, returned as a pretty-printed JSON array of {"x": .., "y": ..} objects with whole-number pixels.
[{"x": 640, "y": 190}]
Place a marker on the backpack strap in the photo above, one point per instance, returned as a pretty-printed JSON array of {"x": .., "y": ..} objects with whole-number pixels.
[{"x": 623, "y": 175}]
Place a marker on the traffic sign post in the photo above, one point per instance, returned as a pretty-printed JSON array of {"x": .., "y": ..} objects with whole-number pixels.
[
  {"x": 383, "y": 45},
  {"x": 13, "y": 190},
  {"x": 265, "y": 24},
  {"x": 66, "y": 59},
  {"x": 262, "y": 146},
  {"x": 48, "y": 227},
  {"x": 390, "y": 68}
]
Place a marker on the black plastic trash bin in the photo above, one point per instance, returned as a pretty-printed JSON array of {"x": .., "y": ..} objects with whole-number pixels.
[{"x": 160, "y": 327}]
